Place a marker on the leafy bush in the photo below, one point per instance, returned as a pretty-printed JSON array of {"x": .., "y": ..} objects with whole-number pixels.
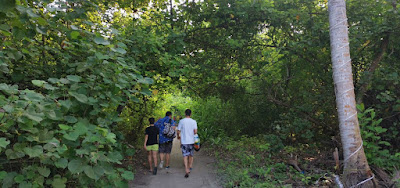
[
  {"x": 58, "y": 100},
  {"x": 374, "y": 144}
]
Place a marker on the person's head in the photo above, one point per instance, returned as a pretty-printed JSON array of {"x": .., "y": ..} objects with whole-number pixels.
[
  {"x": 168, "y": 114},
  {"x": 151, "y": 120},
  {"x": 188, "y": 112}
]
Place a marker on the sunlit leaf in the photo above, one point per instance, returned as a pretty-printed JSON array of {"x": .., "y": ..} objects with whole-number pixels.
[
  {"x": 4, "y": 142},
  {"x": 101, "y": 40},
  {"x": 75, "y": 34}
]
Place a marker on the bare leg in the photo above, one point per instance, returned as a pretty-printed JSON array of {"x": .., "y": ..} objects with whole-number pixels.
[
  {"x": 162, "y": 156},
  {"x": 149, "y": 159},
  {"x": 185, "y": 161},
  {"x": 167, "y": 159},
  {"x": 190, "y": 162},
  {"x": 154, "y": 153}
]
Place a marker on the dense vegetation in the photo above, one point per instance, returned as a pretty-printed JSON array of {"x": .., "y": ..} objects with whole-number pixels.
[{"x": 79, "y": 78}]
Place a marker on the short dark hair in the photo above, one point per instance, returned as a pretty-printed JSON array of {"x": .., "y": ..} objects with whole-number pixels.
[
  {"x": 188, "y": 112},
  {"x": 168, "y": 113},
  {"x": 151, "y": 120}
]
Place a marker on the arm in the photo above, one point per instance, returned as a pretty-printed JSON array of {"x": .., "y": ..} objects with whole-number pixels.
[
  {"x": 195, "y": 128},
  {"x": 178, "y": 132},
  {"x": 145, "y": 141}
]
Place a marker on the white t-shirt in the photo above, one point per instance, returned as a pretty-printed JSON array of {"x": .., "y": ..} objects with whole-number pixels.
[{"x": 187, "y": 127}]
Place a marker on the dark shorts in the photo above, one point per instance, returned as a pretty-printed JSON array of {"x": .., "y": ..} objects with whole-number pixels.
[
  {"x": 165, "y": 147},
  {"x": 187, "y": 149}
]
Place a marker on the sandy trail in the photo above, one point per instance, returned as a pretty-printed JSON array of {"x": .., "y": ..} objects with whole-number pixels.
[{"x": 203, "y": 174}]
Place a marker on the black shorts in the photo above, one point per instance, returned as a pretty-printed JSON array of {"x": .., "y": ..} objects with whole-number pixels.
[{"x": 165, "y": 147}]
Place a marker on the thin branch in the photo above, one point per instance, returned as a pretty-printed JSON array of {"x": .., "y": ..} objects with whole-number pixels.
[{"x": 364, "y": 87}]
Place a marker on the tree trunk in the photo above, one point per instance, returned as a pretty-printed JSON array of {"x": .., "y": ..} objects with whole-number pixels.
[{"x": 356, "y": 168}]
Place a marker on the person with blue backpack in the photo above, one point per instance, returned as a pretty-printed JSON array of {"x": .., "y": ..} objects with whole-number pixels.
[{"x": 166, "y": 128}]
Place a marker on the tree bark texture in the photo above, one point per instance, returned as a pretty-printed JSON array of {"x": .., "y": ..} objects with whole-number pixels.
[{"x": 356, "y": 168}]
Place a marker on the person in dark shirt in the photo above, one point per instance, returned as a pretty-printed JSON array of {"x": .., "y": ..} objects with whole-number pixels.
[{"x": 151, "y": 145}]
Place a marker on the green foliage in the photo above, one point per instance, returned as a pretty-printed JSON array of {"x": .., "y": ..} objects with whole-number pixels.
[
  {"x": 61, "y": 84},
  {"x": 252, "y": 162},
  {"x": 376, "y": 148}
]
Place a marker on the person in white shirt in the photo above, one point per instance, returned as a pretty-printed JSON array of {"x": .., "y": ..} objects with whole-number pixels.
[{"x": 187, "y": 128}]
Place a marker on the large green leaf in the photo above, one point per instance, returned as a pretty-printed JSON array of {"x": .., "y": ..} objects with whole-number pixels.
[
  {"x": 19, "y": 178},
  {"x": 101, "y": 56},
  {"x": 73, "y": 136},
  {"x": 66, "y": 103},
  {"x": 111, "y": 137},
  {"x": 45, "y": 136},
  {"x": 44, "y": 171},
  {"x": 51, "y": 145},
  {"x": 9, "y": 179},
  {"x": 74, "y": 78},
  {"x": 98, "y": 170},
  {"x": 14, "y": 154},
  {"x": 127, "y": 175},
  {"x": 90, "y": 172},
  {"x": 75, "y": 34},
  {"x": 35, "y": 151},
  {"x": 25, "y": 184},
  {"x": 4, "y": 67},
  {"x": 4, "y": 142},
  {"x": 70, "y": 119},
  {"x": 82, "y": 151},
  {"x": 59, "y": 182},
  {"x": 64, "y": 127},
  {"x": 81, "y": 128},
  {"x": 3, "y": 174},
  {"x": 31, "y": 13},
  {"x": 80, "y": 97},
  {"x": 119, "y": 50},
  {"x": 62, "y": 149},
  {"x": 9, "y": 89},
  {"x": 33, "y": 96},
  {"x": 33, "y": 115},
  {"x": 38, "y": 83},
  {"x": 61, "y": 163},
  {"x": 146, "y": 91},
  {"x": 101, "y": 40},
  {"x": 115, "y": 157},
  {"x": 75, "y": 166}
]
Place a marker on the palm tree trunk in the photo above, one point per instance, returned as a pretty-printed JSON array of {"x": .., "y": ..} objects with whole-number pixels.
[{"x": 356, "y": 168}]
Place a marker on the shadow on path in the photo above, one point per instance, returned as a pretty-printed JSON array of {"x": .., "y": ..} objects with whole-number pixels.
[{"x": 202, "y": 175}]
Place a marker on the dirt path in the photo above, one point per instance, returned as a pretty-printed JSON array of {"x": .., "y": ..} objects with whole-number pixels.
[{"x": 202, "y": 175}]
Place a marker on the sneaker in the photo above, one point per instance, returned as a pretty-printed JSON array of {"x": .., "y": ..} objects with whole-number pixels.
[
  {"x": 161, "y": 164},
  {"x": 186, "y": 175},
  {"x": 155, "y": 171},
  {"x": 167, "y": 167}
]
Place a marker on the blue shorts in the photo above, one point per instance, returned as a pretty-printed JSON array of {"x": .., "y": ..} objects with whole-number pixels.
[{"x": 187, "y": 149}]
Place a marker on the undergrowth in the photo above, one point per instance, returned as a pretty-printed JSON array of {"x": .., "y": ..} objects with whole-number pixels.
[{"x": 253, "y": 162}]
